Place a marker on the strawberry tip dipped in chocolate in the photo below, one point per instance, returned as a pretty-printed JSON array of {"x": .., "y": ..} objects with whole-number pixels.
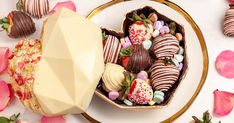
[
  {"x": 35, "y": 8},
  {"x": 18, "y": 24}
]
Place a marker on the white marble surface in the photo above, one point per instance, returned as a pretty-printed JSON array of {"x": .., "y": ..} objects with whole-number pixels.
[{"x": 208, "y": 14}]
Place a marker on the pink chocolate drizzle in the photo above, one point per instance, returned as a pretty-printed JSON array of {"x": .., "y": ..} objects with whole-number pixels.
[
  {"x": 165, "y": 46},
  {"x": 111, "y": 49},
  {"x": 163, "y": 76}
]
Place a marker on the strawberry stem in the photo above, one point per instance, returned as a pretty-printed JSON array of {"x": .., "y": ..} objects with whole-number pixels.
[
  {"x": 126, "y": 52},
  {"x": 142, "y": 18},
  {"x": 19, "y": 5}
]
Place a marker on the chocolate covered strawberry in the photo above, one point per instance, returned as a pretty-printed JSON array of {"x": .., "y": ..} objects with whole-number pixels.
[
  {"x": 18, "y": 24},
  {"x": 140, "y": 92},
  {"x": 135, "y": 58},
  {"x": 164, "y": 73},
  {"x": 141, "y": 29}
]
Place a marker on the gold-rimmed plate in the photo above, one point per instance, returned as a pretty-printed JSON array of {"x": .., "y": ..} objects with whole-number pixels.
[{"x": 110, "y": 16}]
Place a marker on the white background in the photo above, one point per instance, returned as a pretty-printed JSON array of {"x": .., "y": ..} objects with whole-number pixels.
[{"x": 208, "y": 14}]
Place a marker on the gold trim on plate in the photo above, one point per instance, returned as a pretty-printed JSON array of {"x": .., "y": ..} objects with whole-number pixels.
[{"x": 201, "y": 40}]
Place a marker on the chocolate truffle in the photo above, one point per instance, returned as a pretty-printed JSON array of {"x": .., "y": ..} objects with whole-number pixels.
[
  {"x": 165, "y": 46},
  {"x": 229, "y": 22},
  {"x": 163, "y": 75}
]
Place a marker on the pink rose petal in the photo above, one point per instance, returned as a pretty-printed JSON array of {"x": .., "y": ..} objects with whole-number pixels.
[
  {"x": 223, "y": 102},
  {"x": 68, "y": 4},
  {"x": 4, "y": 59},
  {"x": 55, "y": 119},
  {"x": 4, "y": 95},
  {"x": 231, "y": 1},
  {"x": 225, "y": 64}
]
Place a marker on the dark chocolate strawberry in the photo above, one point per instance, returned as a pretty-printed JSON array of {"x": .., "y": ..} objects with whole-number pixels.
[
  {"x": 135, "y": 58},
  {"x": 18, "y": 24}
]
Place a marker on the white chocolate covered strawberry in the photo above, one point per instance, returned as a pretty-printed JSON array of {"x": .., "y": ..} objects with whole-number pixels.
[
  {"x": 140, "y": 92},
  {"x": 141, "y": 29}
]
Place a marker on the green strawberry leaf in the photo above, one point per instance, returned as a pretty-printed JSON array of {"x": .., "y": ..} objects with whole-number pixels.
[
  {"x": 125, "y": 52},
  {"x": 4, "y": 120},
  {"x": 4, "y": 22},
  {"x": 5, "y": 25},
  {"x": 196, "y": 119},
  {"x": 104, "y": 36},
  {"x": 129, "y": 77}
]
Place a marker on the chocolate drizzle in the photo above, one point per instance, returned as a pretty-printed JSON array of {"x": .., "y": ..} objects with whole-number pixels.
[
  {"x": 23, "y": 25},
  {"x": 36, "y": 8},
  {"x": 163, "y": 76},
  {"x": 139, "y": 60},
  {"x": 229, "y": 22},
  {"x": 165, "y": 46}
]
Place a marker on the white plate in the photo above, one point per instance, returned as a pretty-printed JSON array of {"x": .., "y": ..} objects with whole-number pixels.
[{"x": 112, "y": 18}]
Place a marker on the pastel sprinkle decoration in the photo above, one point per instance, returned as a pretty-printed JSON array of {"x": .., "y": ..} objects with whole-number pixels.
[
  {"x": 158, "y": 97},
  {"x": 155, "y": 33},
  {"x": 175, "y": 62},
  {"x": 181, "y": 50},
  {"x": 113, "y": 95},
  {"x": 181, "y": 66},
  {"x": 179, "y": 57},
  {"x": 158, "y": 25},
  {"x": 147, "y": 44},
  {"x": 164, "y": 30},
  {"x": 142, "y": 75},
  {"x": 225, "y": 64},
  {"x": 127, "y": 102}
]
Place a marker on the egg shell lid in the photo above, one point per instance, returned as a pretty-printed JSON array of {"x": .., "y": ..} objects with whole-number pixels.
[{"x": 71, "y": 64}]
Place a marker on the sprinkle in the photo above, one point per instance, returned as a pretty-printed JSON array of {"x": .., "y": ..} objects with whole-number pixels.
[
  {"x": 155, "y": 33},
  {"x": 181, "y": 50},
  {"x": 113, "y": 95},
  {"x": 127, "y": 102},
  {"x": 181, "y": 66},
  {"x": 164, "y": 30},
  {"x": 152, "y": 102},
  {"x": 147, "y": 44},
  {"x": 158, "y": 97},
  {"x": 175, "y": 62},
  {"x": 179, "y": 57},
  {"x": 158, "y": 25}
]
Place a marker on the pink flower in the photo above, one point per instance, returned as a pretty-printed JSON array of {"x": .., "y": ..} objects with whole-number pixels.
[{"x": 4, "y": 52}]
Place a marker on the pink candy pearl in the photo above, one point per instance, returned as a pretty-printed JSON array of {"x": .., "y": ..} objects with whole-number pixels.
[{"x": 113, "y": 95}]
